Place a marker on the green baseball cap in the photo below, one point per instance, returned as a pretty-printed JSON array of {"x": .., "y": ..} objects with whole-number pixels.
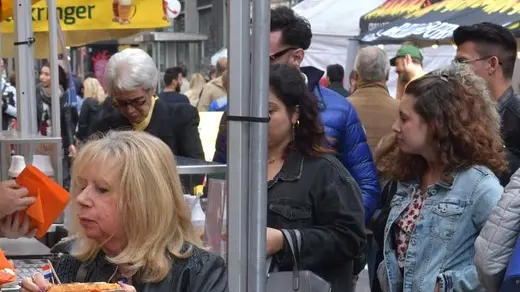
[{"x": 413, "y": 51}]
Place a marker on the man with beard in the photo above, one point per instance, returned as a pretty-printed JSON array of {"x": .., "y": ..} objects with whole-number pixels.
[
  {"x": 173, "y": 81},
  {"x": 491, "y": 51},
  {"x": 408, "y": 66}
]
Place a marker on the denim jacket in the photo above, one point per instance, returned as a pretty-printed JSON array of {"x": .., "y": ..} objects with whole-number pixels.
[{"x": 441, "y": 248}]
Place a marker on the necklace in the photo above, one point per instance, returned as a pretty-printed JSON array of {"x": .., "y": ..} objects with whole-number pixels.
[{"x": 123, "y": 277}]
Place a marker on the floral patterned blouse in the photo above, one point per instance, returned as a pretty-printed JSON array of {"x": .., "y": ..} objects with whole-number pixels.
[{"x": 406, "y": 225}]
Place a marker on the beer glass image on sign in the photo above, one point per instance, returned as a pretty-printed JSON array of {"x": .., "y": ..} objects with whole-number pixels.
[{"x": 122, "y": 11}]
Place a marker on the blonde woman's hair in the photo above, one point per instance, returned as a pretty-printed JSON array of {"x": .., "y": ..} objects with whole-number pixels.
[
  {"x": 197, "y": 82},
  {"x": 93, "y": 89},
  {"x": 151, "y": 206}
]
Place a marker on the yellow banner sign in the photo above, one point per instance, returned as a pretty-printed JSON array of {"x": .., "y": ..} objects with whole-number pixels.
[
  {"x": 99, "y": 15},
  {"x": 7, "y": 8}
]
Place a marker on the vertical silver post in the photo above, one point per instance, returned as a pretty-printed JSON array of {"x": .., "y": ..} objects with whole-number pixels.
[
  {"x": 258, "y": 155},
  {"x": 25, "y": 95},
  {"x": 55, "y": 79},
  {"x": 238, "y": 143}
]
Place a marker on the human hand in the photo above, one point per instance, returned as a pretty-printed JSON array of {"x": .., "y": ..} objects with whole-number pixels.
[
  {"x": 36, "y": 283},
  {"x": 72, "y": 151},
  {"x": 275, "y": 241},
  {"x": 13, "y": 198},
  {"x": 127, "y": 288},
  {"x": 11, "y": 227}
]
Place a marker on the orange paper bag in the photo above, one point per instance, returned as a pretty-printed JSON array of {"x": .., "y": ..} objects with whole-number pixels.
[
  {"x": 7, "y": 274},
  {"x": 51, "y": 198}
]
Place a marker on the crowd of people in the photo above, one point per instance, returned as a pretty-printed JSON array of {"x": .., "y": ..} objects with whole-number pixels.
[{"x": 422, "y": 174}]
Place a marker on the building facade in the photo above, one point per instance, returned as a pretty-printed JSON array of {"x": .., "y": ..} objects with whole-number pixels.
[{"x": 208, "y": 17}]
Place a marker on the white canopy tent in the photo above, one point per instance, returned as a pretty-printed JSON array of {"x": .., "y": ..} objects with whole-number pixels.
[{"x": 335, "y": 27}]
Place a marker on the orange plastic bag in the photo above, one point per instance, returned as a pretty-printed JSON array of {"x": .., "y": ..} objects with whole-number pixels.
[
  {"x": 51, "y": 199},
  {"x": 7, "y": 273}
]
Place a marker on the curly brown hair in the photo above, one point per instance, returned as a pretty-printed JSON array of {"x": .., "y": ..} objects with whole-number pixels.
[{"x": 464, "y": 121}]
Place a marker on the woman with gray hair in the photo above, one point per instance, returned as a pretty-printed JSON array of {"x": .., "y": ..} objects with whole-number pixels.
[{"x": 131, "y": 79}]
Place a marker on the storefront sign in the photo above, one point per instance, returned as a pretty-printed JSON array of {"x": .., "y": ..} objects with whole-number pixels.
[
  {"x": 99, "y": 15},
  {"x": 436, "y": 22},
  {"x": 437, "y": 30},
  {"x": 390, "y": 11},
  {"x": 7, "y": 10}
]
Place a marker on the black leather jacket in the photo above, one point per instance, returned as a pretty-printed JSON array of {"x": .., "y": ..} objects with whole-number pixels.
[
  {"x": 91, "y": 113},
  {"x": 318, "y": 196},
  {"x": 201, "y": 272},
  {"x": 509, "y": 109}
]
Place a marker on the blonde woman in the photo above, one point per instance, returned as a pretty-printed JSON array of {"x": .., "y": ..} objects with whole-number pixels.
[
  {"x": 91, "y": 109},
  {"x": 132, "y": 225},
  {"x": 197, "y": 82}
]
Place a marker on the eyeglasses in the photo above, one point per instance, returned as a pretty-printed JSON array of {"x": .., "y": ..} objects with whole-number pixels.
[
  {"x": 469, "y": 61},
  {"x": 135, "y": 102},
  {"x": 281, "y": 53}
]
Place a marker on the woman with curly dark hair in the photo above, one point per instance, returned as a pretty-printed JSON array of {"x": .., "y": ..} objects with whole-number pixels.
[
  {"x": 449, "y": 150},
  {"x": 309, "y": 190}
]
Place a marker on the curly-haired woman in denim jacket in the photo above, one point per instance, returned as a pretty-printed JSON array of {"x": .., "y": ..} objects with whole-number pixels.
[{"x": 449, "y": 151}]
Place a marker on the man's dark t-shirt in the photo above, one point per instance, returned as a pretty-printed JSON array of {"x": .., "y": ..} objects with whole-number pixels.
[{"x": 173, "y": 97}]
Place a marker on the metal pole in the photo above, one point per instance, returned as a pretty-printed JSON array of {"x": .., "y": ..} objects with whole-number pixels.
[
  {"x": 25, "y": 93},
  {"x": 353, "y": 49},
  {"x": 238, "y": 144},
  {"x": 258, "y": 155},
  {"x": 55, "y": 79}
]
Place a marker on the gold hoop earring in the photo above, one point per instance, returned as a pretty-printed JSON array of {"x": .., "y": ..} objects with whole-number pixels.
[{"x": 294, "y": 126}]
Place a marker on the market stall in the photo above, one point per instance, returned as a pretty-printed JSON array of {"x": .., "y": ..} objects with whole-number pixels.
[
  {"x": 435, "y": 23},
  {"x": 390, "y": 11},
  {"x": 87, "y": 21}
]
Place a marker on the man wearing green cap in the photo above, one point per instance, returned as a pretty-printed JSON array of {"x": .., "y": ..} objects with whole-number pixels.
[{"x": 408, "y": 65}]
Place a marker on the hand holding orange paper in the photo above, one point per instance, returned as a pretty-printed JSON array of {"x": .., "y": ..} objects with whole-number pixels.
[
  {"x": 51, "y": 198},
  {"x": 7, "y": 274}
]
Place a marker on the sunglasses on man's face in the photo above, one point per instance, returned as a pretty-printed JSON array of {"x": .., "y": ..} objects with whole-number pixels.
[
  {"x": 277, "y": 55},
  {"x": 134, "y": 102}
]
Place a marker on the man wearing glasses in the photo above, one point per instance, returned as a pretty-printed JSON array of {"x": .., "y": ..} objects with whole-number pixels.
[
  {"x": 491, "y": 51},
  {"x": 131, "y": 79},
  {"x": 290, "y": 36}
]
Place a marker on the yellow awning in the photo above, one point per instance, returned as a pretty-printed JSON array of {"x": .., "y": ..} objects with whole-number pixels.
[
  {"x": 88, "y": 21},
  {"x": 6, "y": 10}
]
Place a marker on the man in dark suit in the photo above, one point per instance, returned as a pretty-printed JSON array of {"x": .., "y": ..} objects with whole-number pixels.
[{"x": 131, "y": 78}]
